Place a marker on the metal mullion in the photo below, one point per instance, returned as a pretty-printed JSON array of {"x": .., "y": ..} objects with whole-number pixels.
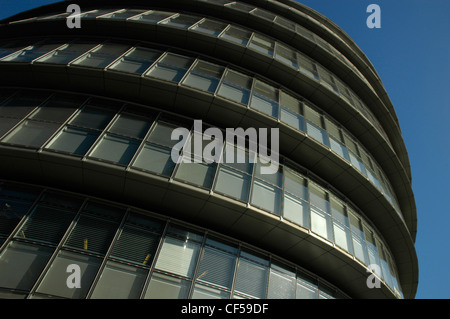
[
  {"x": 176, "y": 14},
  {"x": 152, "y": 266},
  {"x": 224, "y": 30},
  {"x": 222, "y": 79},
  {"x": 58, "y": 248},
  {"x": 143, "y": 142},
  {"x": 177, "y": 165},
  {"x": 154, "y": 62},
  {"x": 86, "y": 53},
  {"x": 236, "y": 263},
  {"x": 103, "y": 133},
  {"x": 50, "y": 52},
  {"x": 197, "y": 265},
  {"x": 219, "y": 165},
  {"x": 139, "y": 14},
  {"x": 132, "y": 47},
  {"x": 252, "y": 179},
  {"x": 252, "y": 89},
  {"x": 106, "y": 256},
  {"x": 188, "y": 71},
  {"x": 196, "y": 23},
  {"x": 112, "y": 12}
]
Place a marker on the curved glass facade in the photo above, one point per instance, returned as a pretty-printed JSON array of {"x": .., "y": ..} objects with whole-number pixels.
[
  {"x": 126, "y": 253},
  {"x": 213, "y": 79},
  {"x": 138, "y": 138},
  {"x": 93, "y": 176}
]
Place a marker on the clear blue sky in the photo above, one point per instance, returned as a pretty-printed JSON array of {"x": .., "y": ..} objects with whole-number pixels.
[{"x": 411, "y": 53}]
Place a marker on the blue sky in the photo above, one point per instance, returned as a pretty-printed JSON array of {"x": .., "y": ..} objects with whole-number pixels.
[{"x": 411, "y": 53}]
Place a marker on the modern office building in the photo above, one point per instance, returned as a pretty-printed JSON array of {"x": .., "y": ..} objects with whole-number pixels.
[{"x": 88, "y": 186}]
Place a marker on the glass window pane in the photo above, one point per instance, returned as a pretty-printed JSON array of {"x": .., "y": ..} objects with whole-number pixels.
[
  {"x": 152, "y": 16},
  {"x": 161, "y": 134},
  {"x": 57, "y": 109},
  {"x": 122, "y": 14},
  {"x": 182, "y": 21},
  {"x": 31, "y": 133},
  {"x": 266, "y": 196},
  {"x": 291, "y": 103},
  {"x": 197, "y": 173},
  {"x": 204, "y": 76},
  {"x": 155, "y": 159},
  {"x": 317, "y": 133},
  {"x": 119, "y": 281},
  {"x": 171, "y": 67},
  {"x": 205, "y": 292},
  {"x": 102, "y": 56},
  {"x": 115, "y": 149},
  {"x": 342, "y": 237},
  {"x": 32, "y": 52},
  {"x": 307, "y": 66},
  {"x": 318, "y": 198},
  {"x": 73, "y": 140},
  {"x": 6, "y": 124},
  {"x": 296, "y": 210},
  {"x": 233, "y": 183},
  {"x": 306, "y": 290},
  {"x": 251, "y": 278},
  {"x": 23, "y": 263},
  {"x": 178, "y": 256},
  {"x": 236, "y": 35},
  {"x": 236, "y": 87},
  {"x": 7, "y": 48},
  {"x": 264, "y": 14},
  {"x": 265, "y": 99},
  {"x": 216, "y": 268},
  {"x": 92, "y": 117},
  {"x": 339, "y": 148},
  {"x": 238, "y": 158},
  {"x": 281, "y": 285},
  {"x": 67, "y": 53},
  {"x": 321, "y": 223},
  {"x": 131, "y": 126},
  {"x": 23, "y": 103},
  {"x": 138, "y": 60},
  {"x": 166, "y": 287},
  {"x": 96, "y": 13},
  {"x": 295, "y": 184},
  {"x": 295, "y": 120},
  {"x": 286, "y": 55},
  {"x": 55, "y": 280},
  {"x": 211, "y": 27},
  {"x": 262, "y": 44}
]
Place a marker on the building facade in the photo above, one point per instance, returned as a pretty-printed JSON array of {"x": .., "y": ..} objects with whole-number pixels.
[{"x": 89, "y": 187}]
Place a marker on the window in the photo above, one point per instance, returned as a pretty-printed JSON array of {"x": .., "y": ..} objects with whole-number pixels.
[
  {"x": 102, "y": 56},
  {"x": 265, "y": 99},
  {"x": 54, "y": 281},
  {"x": 314, "y": 126},
  {"x": 155, "y": 159},
  {"x": 210, "y": 27},
  {"x": 120, "y": 281},
  {"x": 32, "y": 52},
  {"x": 182, "y": 21},
  {"x": 327, "y": 79},
  {"x": 342, "y": 234},
  {"x": 178, "y": 255},
  {"x": 171, "y": 67},
  {"x": 359, "y": 244},
  {"x": 266, "y": 196},
  {"x": 31, "y": 133},
  {"x": 237, "y": 35},
  {"x": 130, "y": 125},
  {"x": 166, "y": 287},
  {"x": 281, "y": 283},
  {"x": 204, "y": 76},
  {"x": 236, "y": 87},
  {"x": 306, "y": 289},
  {"x": 23, "y": 263},
  {"x": 138, "y": 60},
  {"x": 262, "y": 44},
  {"x": 161, "y": 134},
  {"x": 285, "y": 23},
  {"x": 291, "y": 110},
  {"x": 7, "y": 48},
  {"x": 251, "y": 278},
  {"x": 201, "y": 174},
  {"x": 264, "y": 14},
  {"x": 286, "y": 55},
  {"x": 67, "y": 53},
  {"x": 73, "y": 140},
  {"x": 296, "y": 207},
  {"x": 240, "y": 6},
  {"x": 217, "y": 264},
  {"x": 152, "y": 16},
  {"x": 307, "y": 66},
  {"x": 122, "y": 14},
  {"x": 206, "y": 292},
  {"x": 115, "y": 149},
  {"x": 233, "y": 183}
]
